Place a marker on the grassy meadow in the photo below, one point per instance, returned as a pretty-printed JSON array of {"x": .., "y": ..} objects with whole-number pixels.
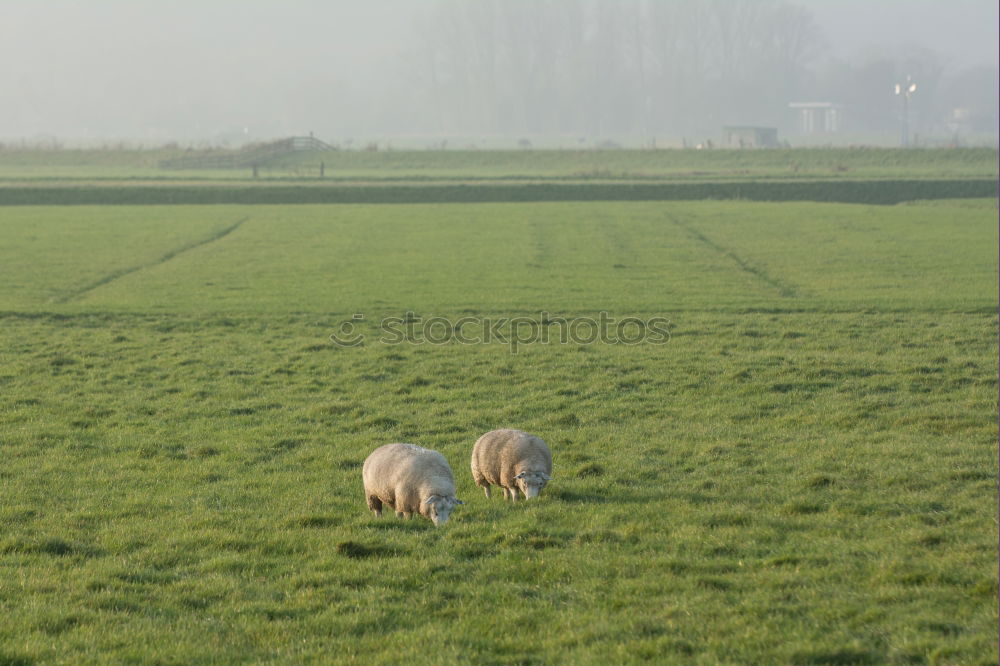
[
  {"x": 128, "y": 165},
  {"x": 804, "y": 471}
]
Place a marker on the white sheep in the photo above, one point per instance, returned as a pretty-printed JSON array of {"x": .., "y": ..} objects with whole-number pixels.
[
  {"x": 513, "y": 460},
  {"x": 410, "y": 479}
]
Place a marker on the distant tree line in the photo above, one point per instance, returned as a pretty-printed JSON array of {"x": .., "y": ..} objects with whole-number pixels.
[{"x": 649, "y": 67}]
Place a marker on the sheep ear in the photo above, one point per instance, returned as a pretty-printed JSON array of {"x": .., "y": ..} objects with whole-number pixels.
[
  {"x": 430, "y": 499},
  {"x": 458, "y": 501},
  {"x": 520, "y": 476},
  {"x": 546, "y": 476}
]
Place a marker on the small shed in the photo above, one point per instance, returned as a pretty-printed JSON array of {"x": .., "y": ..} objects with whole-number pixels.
[{"x": 750, "y": 137}]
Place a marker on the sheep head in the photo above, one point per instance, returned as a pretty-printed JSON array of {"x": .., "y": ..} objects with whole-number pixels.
[
  {"x": 532, "y": 483},
  {"x": 439, "y": 508}
]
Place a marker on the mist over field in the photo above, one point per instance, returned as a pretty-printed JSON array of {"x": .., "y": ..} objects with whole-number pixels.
[
  {"x": 767, "y": 378},
  {"x": 570, "y": 72}
]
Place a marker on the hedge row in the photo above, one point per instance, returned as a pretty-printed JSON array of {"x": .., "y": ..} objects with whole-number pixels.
[{"x": 842, "y": 191}]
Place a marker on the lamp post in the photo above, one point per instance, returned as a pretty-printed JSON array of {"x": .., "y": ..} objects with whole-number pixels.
[{"x": 904, "y": 90}]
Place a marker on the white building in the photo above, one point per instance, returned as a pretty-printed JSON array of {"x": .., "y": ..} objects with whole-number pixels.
[{"x": 818, "y": 117}]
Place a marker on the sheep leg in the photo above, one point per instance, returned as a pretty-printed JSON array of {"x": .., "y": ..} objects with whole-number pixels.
[
  {"x": 375, "y": 504},
  {"x": 481, "y": 482}
]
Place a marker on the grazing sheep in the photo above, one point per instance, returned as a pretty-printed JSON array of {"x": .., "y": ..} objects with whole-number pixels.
[
  {"x": 513, "y": 460},
  {"x": 410, "y": 479}
]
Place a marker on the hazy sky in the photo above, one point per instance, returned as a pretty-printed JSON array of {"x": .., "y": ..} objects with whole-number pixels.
[
  {"x": 964, "y": 31},
  {"x": 160, "y": 69},
  {"x": 131, "y": 67}
]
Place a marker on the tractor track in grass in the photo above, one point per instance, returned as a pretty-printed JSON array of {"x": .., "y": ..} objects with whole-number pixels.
[
  {"x": 782, "y": 288},
  {"x": 117, "y": 275}
]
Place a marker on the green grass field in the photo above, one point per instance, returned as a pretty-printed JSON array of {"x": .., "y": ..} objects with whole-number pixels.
[
  {"x": 28, "y": 165},
  {"x": 804, "y": 472}
]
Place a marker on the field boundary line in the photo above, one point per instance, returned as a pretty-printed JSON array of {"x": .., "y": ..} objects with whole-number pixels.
[
  {"x": 783, "y": 288},
  {"x": 227, "y": 318},
  {"x": 870, "y": 192},
  {"x": 117, "y": 275}
]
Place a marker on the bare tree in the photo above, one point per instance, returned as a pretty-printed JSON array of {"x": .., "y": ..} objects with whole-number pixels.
[{"x": 603, "y": 68}]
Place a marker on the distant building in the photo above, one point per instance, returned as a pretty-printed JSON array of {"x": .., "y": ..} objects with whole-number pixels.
[
  {"x": 818, "y": 117},
  {"x": 971, "y": 120},
  {"x": 750, "y": 137}
]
